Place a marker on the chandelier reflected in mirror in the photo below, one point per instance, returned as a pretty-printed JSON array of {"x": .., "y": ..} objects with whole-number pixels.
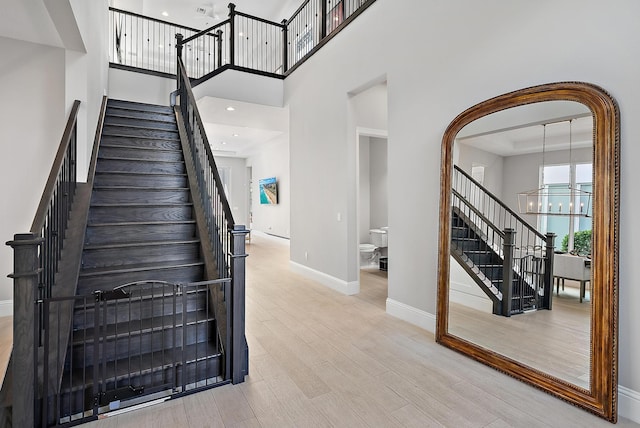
[{"x": 548, "y": 201}]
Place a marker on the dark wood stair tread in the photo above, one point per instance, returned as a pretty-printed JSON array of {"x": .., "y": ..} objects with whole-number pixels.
[
  {"x": 141, "y": 244},
  {"x": 138, "y": 223},
  {"x": 107, "y": 133},
  {"x": 120, "y": 158},
  {"x": 140, "y": 365},
  {"x": 141, "y": 326},
  {"x": 141, "y": 148},
  {"x": 84, "y": 273}
]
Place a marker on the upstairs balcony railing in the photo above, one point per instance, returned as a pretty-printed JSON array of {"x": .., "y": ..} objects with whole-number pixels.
[{"x": 242, "y": 41}]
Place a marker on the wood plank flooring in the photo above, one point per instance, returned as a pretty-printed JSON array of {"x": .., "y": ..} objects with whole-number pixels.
[
  {"x": 556, "y": 341},
  {"x": 322, "y": 359}
]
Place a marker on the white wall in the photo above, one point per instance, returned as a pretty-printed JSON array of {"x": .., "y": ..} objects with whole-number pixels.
[
  {"x": 365, "y": 190},
  {"x": 86, "y": 74},
  {"x": 464, "y": 290},
  {"x": 460, "y": 53},
  {"x": 273, "y": 161},
  {"x": 238, "y": 186},
  {"x": 522, "y": 173},
  {"x": 138, "y": 87},
  {"x": 33, "y": 115},
  {"x": 378, "y": 177},
  {"x": 469, "y": 156}
]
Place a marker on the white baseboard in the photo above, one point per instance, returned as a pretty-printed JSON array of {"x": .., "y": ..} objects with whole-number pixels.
[
  {"x": 6, "y": 308},
  {"x": 629, "y": 404},
  {"x": 411, "y": 315},
  {"x": 344, "y": 287}
]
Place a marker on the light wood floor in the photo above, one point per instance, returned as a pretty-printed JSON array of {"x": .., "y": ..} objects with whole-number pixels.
[
  {"x": 321, "y": 359},
  {"x": 556, "y": 341}
]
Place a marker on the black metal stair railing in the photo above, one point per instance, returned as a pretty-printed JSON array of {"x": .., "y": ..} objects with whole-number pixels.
[
  {"x": 226, "y": 238},
  {"x": 37, "y": 256},
  {"x": 526, "y": 254},
  {"x": 243, "y": 42},
  {"x": 144, "y": 43}
]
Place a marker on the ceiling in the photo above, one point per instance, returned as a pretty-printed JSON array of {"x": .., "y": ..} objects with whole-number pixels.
[
  {"x": 201, "y": 14},
  {"x": 244, "y": 130},
  {"x": 525, "y": 129},
  {"x": 247, "y": 128}
]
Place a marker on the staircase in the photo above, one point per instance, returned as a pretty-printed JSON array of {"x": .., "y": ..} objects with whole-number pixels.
[
  {"x": 141, "y": 231},
  {"x": 486, "y": 267}
]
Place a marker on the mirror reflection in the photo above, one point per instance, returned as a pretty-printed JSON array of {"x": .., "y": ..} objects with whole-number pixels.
[{"x": 520, "y": 261}]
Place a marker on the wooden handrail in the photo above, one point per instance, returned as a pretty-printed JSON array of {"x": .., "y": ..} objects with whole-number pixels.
[
  {"x": 96, "y": 142},
  {"x": 47, "y": 195},
  {"x": 205, "y": 31}
]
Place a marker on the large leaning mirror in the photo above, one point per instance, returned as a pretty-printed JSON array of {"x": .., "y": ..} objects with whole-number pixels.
[{"x": 529, "y": 240}]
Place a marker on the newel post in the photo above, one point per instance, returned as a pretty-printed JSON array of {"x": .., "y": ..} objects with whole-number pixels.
[
  {"x": 179, "y": 38},
  {"x": 548, "y": 271},
  {"x": 239, "y": 348},
  {"x": 232, "y": 37},
  {"x": 26, "y": 270},
  {"x": 507, "y": 271}
]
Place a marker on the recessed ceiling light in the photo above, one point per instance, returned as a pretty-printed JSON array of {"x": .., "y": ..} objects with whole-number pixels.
[
  {"x": 165, "y": 13},
  {"x": 223, "y": 142},
  {"x": 230, "y": 108},
  {"x": 235, "y": 135}
]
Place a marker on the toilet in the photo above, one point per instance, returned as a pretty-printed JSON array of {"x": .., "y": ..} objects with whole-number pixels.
[
  {"x": 369, "y": 252},
  {"x": 367, "y": 255}
]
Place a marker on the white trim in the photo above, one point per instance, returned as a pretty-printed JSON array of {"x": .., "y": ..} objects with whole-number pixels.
[
  {"x": 344, "y": 287},
  {"x": 371, "y": 132},
  {"x": 629, "y": 404},
  {"x": 411, "y": 315},
  {"x": 6, "y": 308}
]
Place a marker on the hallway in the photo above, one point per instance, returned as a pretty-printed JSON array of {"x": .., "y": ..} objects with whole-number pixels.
[{"x": 321, "y": 359}]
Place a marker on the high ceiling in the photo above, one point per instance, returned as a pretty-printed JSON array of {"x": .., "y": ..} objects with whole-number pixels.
[{"x": 201, "y": 14}]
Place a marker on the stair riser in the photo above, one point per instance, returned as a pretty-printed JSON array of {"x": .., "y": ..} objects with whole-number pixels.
[
  {"x": 139, "y": 196},
  {"x": 122, "y": 311},
  {"x": 99, "y": 235},
  {"x": 465, "y": 245},
  {"x": 491, "y": 272},
  {"x": 169, "y": 376},
  {"x": 122, "y": 256},
  {"x": 142, "y": 133},
  {"x": 458, "y": 232},
  {"x": 139, "y": 106},
  {"x": 137, "y": 122},
  {"x": 486, "y": 258},
  {"x": 142, "y": 154},
  {"x": 145, "y": 115},
  {"x": 87, "y": 284},
  {"x": 122, "y": 165},
  {"x": 140, "y": 142},
  {"x": 138, "y": 344},
  {"x": 140, "y": 180}
]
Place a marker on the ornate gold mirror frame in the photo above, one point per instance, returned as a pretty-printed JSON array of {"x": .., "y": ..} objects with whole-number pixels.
[{"x": 601, "y": 397}]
